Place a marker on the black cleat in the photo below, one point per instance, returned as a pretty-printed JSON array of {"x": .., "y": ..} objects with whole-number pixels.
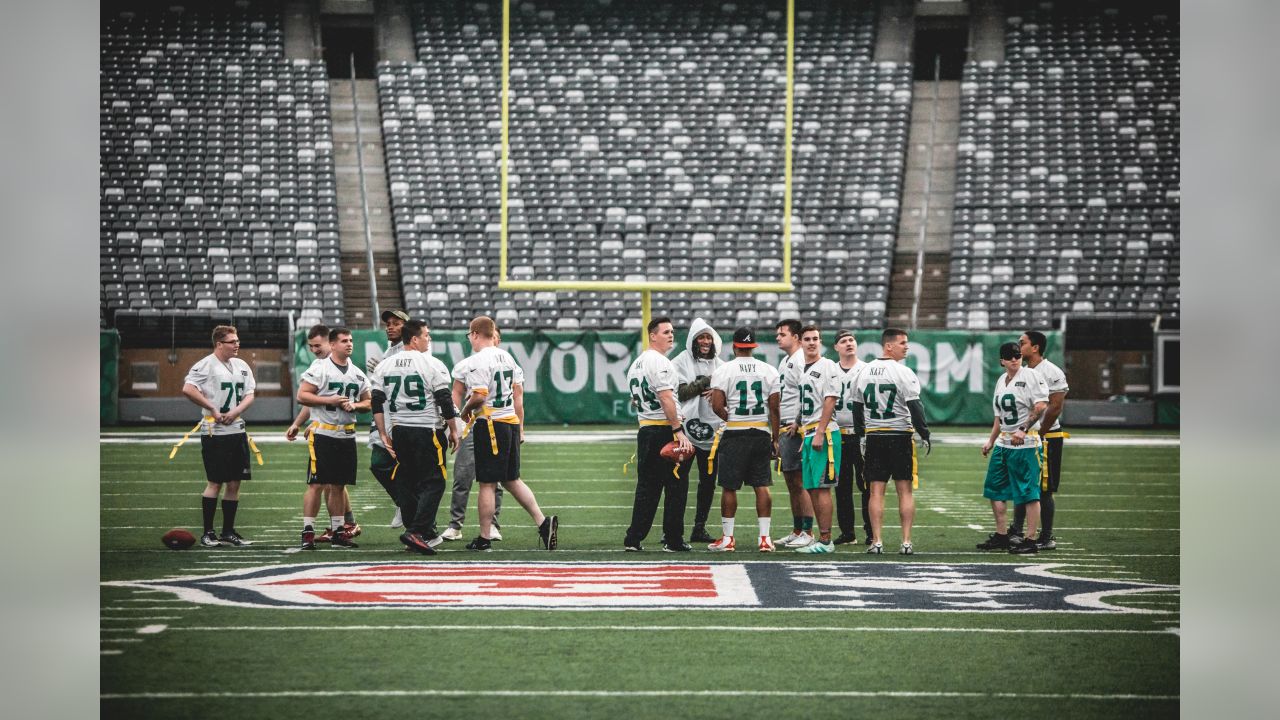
[
  {"x": 309, "y": 539},
  {"x": 548, "y": 532},
  {"x": 417, "y": 543},
  {"x": 232, "y": 537},
  {"x": 995, "y": 541},
  {"x": 1025, "y": 546},
  {"x": 1046, "y": 543},
  {"x": 699, "y": 534},
  {"x": 632, "y": 547},
  {"x": 845, "y": 539},
  {"x": 342, "y": 539},
  {"x": 481, "y": 544},
  {"x": 682, "y": 547}
]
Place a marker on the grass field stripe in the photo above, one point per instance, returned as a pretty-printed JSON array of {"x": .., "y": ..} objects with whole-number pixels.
[
  {"x": 671, "y": 628},
  {"x": 906, "y": 694},
  {"x": 110, "y": 652}
]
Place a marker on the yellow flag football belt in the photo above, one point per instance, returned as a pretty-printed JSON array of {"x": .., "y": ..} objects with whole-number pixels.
[
  {"x": 734, "y": 425},
  {"x": 208, "y": 418}
]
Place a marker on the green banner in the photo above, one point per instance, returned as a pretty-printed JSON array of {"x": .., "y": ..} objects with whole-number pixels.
[
  {"x": 581, "y": 377},
  {"x": 109, "y": 367}
]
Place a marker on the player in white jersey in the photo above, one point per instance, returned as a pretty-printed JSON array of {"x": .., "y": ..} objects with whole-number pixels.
[
  {"x": 496, "y": 386},
  {"x": 888, "y": 404},
  {"x": 335, "y": 390},
  {"x": 411, "y": 401},
  {"x": 464, "y": 466},
  {"x": 694, "y": 368},
  {"x": 222, "y": 385},
  {"x": 1032, "y": 345},
  {"x": 851, "y": 472},
  {"x": 652, "y": 380},
  {"x": 381, "y": 464},
  {"x": 744, "y": 393},
  {"x": 1013, "y": 473},
  {"x": 820, "y": 455},
  {"x": 790, "y": 441}
]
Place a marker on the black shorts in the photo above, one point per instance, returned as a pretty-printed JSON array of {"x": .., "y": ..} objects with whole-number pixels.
[
  {"x": 505, "y": 465},
  {"x": 890, "y": 456},
  {"x": 1051, "y": 461},
  {"x": 420, "y": 455},
  {"x": 226, "y": 457},
  {"x": 333, "y": 460},
  {"x": 742, "y": 458}
]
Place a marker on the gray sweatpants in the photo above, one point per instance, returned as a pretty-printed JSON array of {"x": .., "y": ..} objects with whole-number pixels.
[{"x": 464, "y": 476}]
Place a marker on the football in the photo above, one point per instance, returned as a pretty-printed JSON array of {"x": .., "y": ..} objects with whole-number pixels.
[
  {"x": 671, "y": 451},
  {"x": 178, "y": 539}
]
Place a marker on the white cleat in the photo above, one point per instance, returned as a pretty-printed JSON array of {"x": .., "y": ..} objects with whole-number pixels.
[
  {"x": 766, "y": 545},
  {"x": 786, "y": 540},
  {"x": 805, "y": 540},
  {"x": 451, "y": 534},
  {"x": 398, "y": 520},
  {"x": 494, "y": 534},
  {"x": 724, "y": 544}
]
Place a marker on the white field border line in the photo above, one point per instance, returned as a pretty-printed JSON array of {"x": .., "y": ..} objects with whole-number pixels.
[
  {"x": 578, "y": 438},
  {"x": 1092, "y": 601},
  {"x": 672, "y": 628},
  {"x": 908, "y": 694},
  {"x": 629, "y": 507}
]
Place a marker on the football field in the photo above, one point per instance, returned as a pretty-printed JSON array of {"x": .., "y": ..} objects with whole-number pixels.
[{"x": 1088, "y": 630}]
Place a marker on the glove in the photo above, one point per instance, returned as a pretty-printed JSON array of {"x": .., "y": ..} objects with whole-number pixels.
[{"x": 928, "y": 446}]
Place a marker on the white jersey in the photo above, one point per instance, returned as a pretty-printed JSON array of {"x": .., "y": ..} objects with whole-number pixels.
[
  {"x": 848, "y": 394},
  {"x": 1056, "y": 380},
  {"x": 374, "y": 437},
  {"x": 819, "y": 380},
  {"x": 410, "y": 381},
  {"x": 1013, "y": 401},
  {"x": 747, "y": 384},
  {"x": 700, "y": 422},
  {"x": 224, "y": 385},
  {"x": 493, "y": 371},
  {"x": 650, "y": 374},
  {"x": 789, "y": 394},
  {"x": 884, "y": 389},
  {"x": 331, "y": 380}
]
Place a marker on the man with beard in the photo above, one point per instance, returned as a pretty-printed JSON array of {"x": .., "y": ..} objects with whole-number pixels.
[{"x": 694, "y": 368}]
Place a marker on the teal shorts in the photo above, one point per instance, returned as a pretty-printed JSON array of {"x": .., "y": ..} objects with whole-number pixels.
[
  {"x": 1013, "y": 475},
  {"x": 818, "y": 469}
]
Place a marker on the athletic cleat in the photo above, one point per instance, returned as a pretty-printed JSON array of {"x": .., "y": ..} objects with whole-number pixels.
[
  {"x": 994, "y": 541},
  {"x": 352, "y": 529},
  {"x": 632, "y": 547},
  {"x": 481, "y": 544},
  {"x": 325, "y": 536},
  {"x": 1014, "y": 537},
  {"x": 724, "y": 544},
  {"x": 845, "y": 539},
  {"x": 868, "y": 540},
  {"x": 766, "y": 545},
  {"x": 341, "y": 539},
  {"x": 875, "y": 549},
  {"x": 1046, "y": 543},
  {"x": 435, "y": 542},
  {"x": 816, "y": 547},
  {"x": 452, "y": 533},
  {"x": 548, "y": 531},
  {"x": 495, "y": 534},
  {"x": 209, "y": 540},
  {"x": 786, "y": 540},
  {"x": 682, "y": 547},
  {"x": 308, "y": 539},
  {"x": 805, "y": 540},
  {"x": 700, "y": 534},
  {"x": 398, "y": 520},
  {"x": 416, "y": 542},
  {"x": 906, "y": 549},
  {"x": 1024, "y": 547},
  {"x": 233, "y": 538}
]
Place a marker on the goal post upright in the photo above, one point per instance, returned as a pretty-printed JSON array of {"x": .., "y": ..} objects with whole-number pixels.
[{"x": 644, "y": 287}]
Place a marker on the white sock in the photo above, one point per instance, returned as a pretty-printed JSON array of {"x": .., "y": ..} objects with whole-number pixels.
[
  {"x": 726, "y": 526},
  {"x": 335, "y": 522},
  {"x": 764, "y": 525},
  {"x": 308, "y": 522}
]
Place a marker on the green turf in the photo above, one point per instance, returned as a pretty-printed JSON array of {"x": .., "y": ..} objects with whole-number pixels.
[{"x": 1118, "y": 519}]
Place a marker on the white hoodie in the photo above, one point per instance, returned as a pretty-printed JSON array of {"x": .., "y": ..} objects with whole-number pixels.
[{"x": 700, "y": 423}]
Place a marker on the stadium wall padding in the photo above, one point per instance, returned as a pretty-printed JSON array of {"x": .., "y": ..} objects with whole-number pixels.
[
  {"x": 577, "y": 377},
  {"x": 109, "y": 367}
]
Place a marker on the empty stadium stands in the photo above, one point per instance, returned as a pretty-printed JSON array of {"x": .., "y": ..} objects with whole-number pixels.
[
  {"x": 1067, "y": 195},
  {"x": 646, "y": 143},
  {"x": 217, "y": 183}
]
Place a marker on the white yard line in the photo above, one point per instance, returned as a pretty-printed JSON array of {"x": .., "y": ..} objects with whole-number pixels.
[
  {"x": 667, "y": 628},
  {"x": 734, "y": 694}
]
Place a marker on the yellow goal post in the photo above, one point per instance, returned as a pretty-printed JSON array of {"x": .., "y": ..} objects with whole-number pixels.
[{"x": 646, "y": 287}]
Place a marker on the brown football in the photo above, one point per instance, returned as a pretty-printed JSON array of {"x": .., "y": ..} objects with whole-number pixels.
[
  {"x": 671, "y": 451},
  {"x": 178, "y": 539}
]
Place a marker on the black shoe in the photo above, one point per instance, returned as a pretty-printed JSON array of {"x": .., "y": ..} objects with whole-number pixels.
[
  {"x": 417, "y": 543},
  {"x": 867, "y": 540},
  {"x": 1026, "y": 546},
  {"x": 682, "y": 547},
  {"x": 1045, "y": 542},
  {"x": 342, "y": 539},
  {"x": 231, "y": 537},
  {"x": 309, "y": 539},
  {"x": 632, "y": 547},
  {"x": 995, "y": 541},
  {"x": 845, "y": 539},
  {"x": 481, "y": 544},
  {"x": 699, "y": 534},
  {"x": 548, "y": 531}
]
